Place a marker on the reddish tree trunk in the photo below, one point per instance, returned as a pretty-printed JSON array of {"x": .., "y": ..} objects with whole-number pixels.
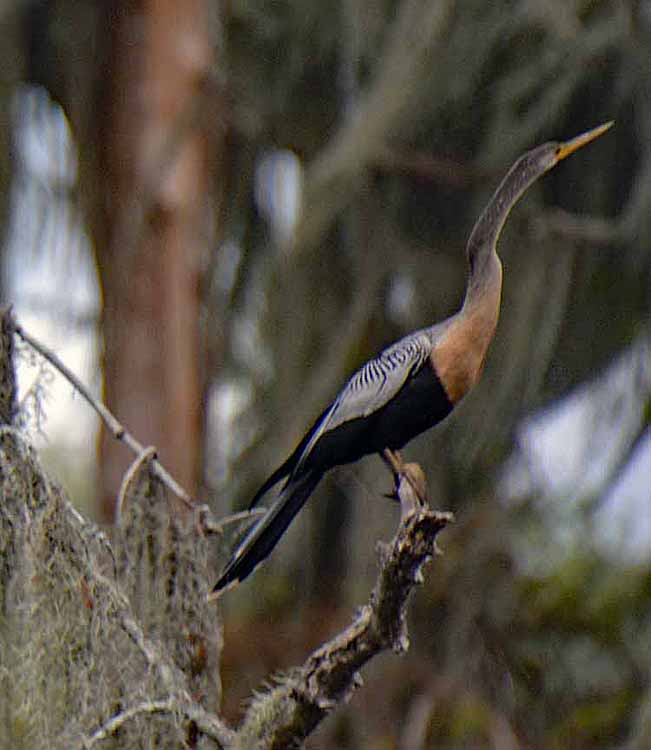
[{"x": 154, "y": 227}]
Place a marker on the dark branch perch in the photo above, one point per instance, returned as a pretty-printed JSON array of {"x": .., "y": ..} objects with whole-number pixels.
[{"x": 287, "y": 714}]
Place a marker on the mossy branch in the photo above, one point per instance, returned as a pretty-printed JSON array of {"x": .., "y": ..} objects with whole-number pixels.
[
  {"x": 208, "y": 524},
  {"x": 125, "y": 631},
  {"x": 284, "y": 716}
]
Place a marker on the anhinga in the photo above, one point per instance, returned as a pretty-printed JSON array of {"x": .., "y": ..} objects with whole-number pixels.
[{"x": 410, "y": 386}]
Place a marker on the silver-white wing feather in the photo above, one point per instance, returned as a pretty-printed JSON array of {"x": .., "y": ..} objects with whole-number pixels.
[{"x": 374, "y": 384}]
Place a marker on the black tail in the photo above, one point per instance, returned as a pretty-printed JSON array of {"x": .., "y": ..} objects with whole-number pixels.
[
  {"x": 264, "y": 536},
  {"x": 289, "y": 465},
  {"x": 283, "y": 471}
]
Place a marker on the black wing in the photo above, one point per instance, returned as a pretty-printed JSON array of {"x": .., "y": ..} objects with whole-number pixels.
[
  {"x": 367, "y": 391},
  {"x": 371, "y": 387}
]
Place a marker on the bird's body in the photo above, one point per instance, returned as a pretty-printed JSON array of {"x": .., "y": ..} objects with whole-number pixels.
[{"x": 410, "y": 386}]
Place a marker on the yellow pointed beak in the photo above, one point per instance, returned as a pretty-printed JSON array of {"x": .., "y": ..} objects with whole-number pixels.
[{"x": 569, "y": 147}]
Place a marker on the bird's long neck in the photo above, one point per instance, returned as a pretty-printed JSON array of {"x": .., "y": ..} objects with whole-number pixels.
[{"x": 485, "y": 269}]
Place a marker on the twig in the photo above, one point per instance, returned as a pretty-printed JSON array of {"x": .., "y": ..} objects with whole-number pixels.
[
  {"x": 112, "y": 424},
  {"x": 217, "y": 527},
  {"x": 116, "y": 721},
  {"x": 207, "y": 724},
  {"x": 120, "y": 433},
  {"x": 288, "y": 713}
]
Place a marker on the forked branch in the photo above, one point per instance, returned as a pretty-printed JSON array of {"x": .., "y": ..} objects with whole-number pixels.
[{"x": 288, "y": 713}]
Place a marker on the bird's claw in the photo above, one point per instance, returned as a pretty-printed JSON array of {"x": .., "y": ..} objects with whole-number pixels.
[{"x": 415, "y": 494}]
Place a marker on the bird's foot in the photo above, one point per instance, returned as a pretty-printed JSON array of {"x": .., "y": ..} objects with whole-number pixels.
[
  {"x": 410, "y": 488},
  {"x": 393, "y": 460}
]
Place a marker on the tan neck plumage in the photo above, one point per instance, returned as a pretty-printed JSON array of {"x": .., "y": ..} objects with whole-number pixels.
[{"x": 458, "y": 357}]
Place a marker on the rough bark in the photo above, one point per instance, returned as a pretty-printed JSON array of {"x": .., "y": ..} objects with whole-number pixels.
[{"x": 152, "y": 231}]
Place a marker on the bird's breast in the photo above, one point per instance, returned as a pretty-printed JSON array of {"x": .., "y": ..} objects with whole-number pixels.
[{"x": 458, "y": 357}]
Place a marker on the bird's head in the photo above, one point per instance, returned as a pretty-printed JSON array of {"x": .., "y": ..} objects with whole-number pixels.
[
  {"x": 526, "y": 170},
  {"x": 543, "y": 158}
]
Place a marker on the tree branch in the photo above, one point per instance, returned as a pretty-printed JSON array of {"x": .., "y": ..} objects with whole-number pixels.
[
  {"x": 116, "y": 429},
  {"x": 119, "y": 432},
  {"x": 287, "y": 714},
  {"x": 206, "y": 723}
]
